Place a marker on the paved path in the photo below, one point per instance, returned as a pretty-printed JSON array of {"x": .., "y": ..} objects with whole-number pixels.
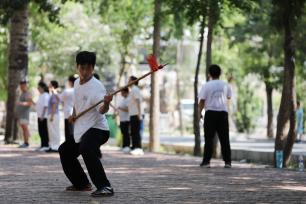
[{"x": 31, "y": 177}]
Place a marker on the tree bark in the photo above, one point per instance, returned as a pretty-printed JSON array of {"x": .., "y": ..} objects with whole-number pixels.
[
  {"x": 269, "y": 91},
  {"x": 286, "y": 115},
  {"x": 178, "y": 87},
  {"x": 18, "y": 63},
  {"x": 154, "y": 100},
  {"x": 196, "y": 125}
]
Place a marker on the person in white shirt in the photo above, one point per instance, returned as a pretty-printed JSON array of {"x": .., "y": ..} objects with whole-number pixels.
[
  {"x": 42, "y": 115},
  {"x": 124, "y": 120},
  {"x": 67, "y": 100},
  {"x": 90, "y": 131},
  {"x": 213, "y": 97},
  {"x": 135, "y": 113},
  {"x": 53, "y": 118}
]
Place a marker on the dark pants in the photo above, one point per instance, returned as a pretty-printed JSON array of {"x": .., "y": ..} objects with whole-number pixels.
[
  {"x": 89, "y": 148},
  {"x": 43, "y": 132},
  {"x": 68, "y": 130},
  {"x": 125, "y": 130},
  {"x": 135, "y": 131},
  {"x": 216, "y": 122}
]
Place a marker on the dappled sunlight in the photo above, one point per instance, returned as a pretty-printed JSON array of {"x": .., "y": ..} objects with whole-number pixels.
[
  {"x": 10, "y": 155},
  {"x": 291, "y": 187},
  {"x": 179, "y": 188}
]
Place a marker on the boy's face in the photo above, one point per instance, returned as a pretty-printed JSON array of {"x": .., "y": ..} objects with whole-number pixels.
[
  {"x": 23, "y": 87},
  {"x": 85, "y": 71}
]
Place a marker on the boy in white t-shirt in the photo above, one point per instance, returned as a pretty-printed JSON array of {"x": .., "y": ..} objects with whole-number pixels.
[
  {"x": 67, "y": 100},
  {"x": 42, "y": 115},
  {"x": 213, "y": 97},
  {"x": 124, "y": 120},
  {"x": 90, "y": 131},
  {"x": 135, "y": 113}
]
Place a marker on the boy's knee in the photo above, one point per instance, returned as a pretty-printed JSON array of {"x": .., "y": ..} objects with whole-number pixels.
[{"x": 62, "y": 148}]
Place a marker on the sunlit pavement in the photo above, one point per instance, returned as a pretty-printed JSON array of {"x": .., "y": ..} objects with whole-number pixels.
[{"x": 27, "y": 176}]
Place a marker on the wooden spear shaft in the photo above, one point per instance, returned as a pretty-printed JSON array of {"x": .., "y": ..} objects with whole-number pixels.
[{"x": 117, "y": 91}]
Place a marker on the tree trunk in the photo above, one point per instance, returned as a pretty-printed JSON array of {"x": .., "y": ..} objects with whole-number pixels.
[
  {"x": 154, "y": 100},
  {"x": 216, "y": 144},
  {"x": 178, "y": 87},
  {"x": 122, "y": 69},
  {"x": 284, "y": 141},
  {"x": 18, "y": 63},
  {"x": 196, "y": 125},
  {"x": 269, "y": 91}
]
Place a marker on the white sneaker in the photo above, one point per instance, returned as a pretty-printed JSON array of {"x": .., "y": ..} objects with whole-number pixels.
[
  {"x": 43, "y": 149},
  {"x": 137, "y": 151},
  {"x": 126, "y": 150}
]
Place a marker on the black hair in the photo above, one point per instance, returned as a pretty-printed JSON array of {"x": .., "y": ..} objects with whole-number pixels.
[
  {"x": 133, "y": 78},
  {"x": 44, "y": 86},
  {"x": 23, "y": 82},
  {"x": 85, "y": 57},
  {"x": 125, "y": 90},
  {"x": 71, "y": 79},
  {"x": 298, "y": 103},
  {"x": 54, "y": 84},
  {"x": 96, "y": 76},
  {"x": 214, "y": 71}
]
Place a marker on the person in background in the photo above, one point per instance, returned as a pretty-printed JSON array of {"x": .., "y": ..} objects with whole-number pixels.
[
  {"x": 213, "y": 97},
  {"x": 42, "y": 115},
  {"x": 23, "y": 112},
  {"x": 53, "y": 118},
  {"x": 124, "y": 120},
  {"x": 135, "y": 113},
  {"x": 299, "y": 122},
  {"x": 67, "y": 100}
]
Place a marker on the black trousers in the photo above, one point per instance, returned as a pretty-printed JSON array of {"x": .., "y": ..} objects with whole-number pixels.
[
  {"x": 216, "y": 122},
  {"x": 89, "y": 148},
  {"x": 125, "y": 130},
  {"x": 43, "y": 132},
  {"x": 68, "y": 130},
  {"x": 135, "y": 131}
]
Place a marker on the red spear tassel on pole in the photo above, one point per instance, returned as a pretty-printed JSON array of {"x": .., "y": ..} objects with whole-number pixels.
[{"x": 151, "y": 59}]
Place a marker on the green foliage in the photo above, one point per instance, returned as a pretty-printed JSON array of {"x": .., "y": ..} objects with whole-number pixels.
[
  {"x": 3, "y": 62},
  {"x": 55, "y": 45},
  {"x": 249, "y": 108}
]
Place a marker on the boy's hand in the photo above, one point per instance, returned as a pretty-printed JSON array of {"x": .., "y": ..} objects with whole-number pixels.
[
  {"x": 108, "y": 99},
  {"x": 71, "y": 119}
]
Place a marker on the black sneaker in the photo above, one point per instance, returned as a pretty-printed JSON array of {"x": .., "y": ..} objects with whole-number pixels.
[
  {"x": 205, "y": 165},
  {"x": 24, "y": 145},
  {"x": 103, "y": 192},
  {"x": 85, "y": 188}
]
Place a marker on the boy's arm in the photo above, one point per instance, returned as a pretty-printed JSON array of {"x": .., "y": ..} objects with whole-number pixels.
[
  {"x": 105, "y": 107},
  {"x": 200, "y": 108}
]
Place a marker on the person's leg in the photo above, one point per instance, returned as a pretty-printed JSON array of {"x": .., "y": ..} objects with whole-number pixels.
[
  {"x": 26, "y": 132},
  {"x": 69, "y": 151},
  {"x": 57, "y": 135},
  {"x": 209, "y": 133},
  {"x": 89, "y": 148},
  {"x": 45, "y": 136},
  {"x": 66, "y": 129},
  {"x": 124, "y": 127},
  {"x": 223, "y": 133},
  {"x": 135, "y": 132},
  {"x": 40, "y": 131}
]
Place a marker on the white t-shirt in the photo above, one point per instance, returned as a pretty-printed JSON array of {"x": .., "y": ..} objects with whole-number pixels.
[
  {"x": 124, "y": 116},
  {"x": 216, "y": 93},
  {"x": 86, "y": 95},
  {"x": 135, "y": 95},
  {"x": 67, "y": 99},
  {"x": 42, "y": 102}
]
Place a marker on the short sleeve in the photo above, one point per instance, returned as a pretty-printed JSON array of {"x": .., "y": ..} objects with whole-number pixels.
[
  {"x": 203, "y": 93},
  {"x": 229, "y": 91},
  {"x": 46, "y": 100},
  {"x": 99, "y": 95}
]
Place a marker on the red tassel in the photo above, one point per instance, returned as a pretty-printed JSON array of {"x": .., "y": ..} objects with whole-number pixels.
[{"x": 152, "y": 62}]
